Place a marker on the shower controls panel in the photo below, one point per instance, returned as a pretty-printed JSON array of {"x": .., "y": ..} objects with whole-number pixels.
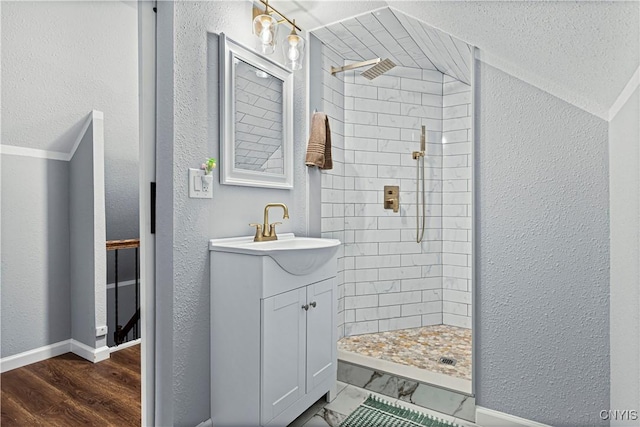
[{"x": 392, "y": 197}]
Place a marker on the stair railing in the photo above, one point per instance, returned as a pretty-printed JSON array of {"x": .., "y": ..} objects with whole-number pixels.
[{"x": 120, "y": 335}]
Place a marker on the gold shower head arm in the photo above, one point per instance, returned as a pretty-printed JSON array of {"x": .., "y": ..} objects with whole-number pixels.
[{"x": 355, "y": 65}]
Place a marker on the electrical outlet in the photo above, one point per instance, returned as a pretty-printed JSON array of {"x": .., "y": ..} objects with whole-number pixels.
[
  {"x": 200, "y": 185},
  {"x": 101, "y": 331}
]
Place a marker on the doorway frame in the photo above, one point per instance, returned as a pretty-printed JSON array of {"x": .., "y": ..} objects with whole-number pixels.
[{"x": 147, "y": 175}]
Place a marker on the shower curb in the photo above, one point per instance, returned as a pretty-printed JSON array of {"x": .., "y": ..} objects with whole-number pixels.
[{"x": 450, "y": 402}]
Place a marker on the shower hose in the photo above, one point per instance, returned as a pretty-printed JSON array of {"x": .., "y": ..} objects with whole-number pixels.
[{"x": 419, "y": 169}]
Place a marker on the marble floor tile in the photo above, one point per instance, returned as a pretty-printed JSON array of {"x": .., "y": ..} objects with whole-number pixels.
[
  {"x": 316, "y": 421},
  {"x": 448, "y": 402},
  {"x": 307, "y": 415},
  {"x": 348, "y": 400},
  {"x": 323, "y": 414},
  {"x": 325, "y": 418},
  {"x": 419, "y": 347},
  {"x": 340, "y": 386},
  {"x": 369, "y": 379}
]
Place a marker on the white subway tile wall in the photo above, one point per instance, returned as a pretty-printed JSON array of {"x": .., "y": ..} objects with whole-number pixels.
[
  {"x": 386, "y": 280},
  {"x": 334, "y": 181},
  {"x": 456, "y": 203}
]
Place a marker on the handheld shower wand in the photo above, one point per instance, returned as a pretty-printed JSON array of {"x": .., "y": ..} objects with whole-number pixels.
[{"x": 423, "y": 142}]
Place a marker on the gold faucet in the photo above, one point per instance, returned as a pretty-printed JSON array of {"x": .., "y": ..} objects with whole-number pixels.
[{"x": 266, "y": 231}]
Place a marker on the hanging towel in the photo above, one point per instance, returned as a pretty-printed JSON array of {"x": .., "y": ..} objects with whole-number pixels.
[{"x": 319, "y": 148}]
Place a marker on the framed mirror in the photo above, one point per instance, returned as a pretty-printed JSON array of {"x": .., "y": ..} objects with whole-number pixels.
[{"x": 256, "y": 119}]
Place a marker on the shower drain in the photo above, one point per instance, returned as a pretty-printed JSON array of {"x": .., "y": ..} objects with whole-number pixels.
[{"x": 447, "y": 361}]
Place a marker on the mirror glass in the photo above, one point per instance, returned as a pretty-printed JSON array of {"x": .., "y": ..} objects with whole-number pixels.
[{"x": 258, "y": 119}]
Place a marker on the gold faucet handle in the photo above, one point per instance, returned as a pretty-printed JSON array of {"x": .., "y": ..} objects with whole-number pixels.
[
  {"x": 258, "y": 235},
  {"x": 272, "y": 228},
  {"x": 391, "y": 204}
]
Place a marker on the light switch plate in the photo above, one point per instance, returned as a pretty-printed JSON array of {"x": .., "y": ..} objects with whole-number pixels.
[
  {"x": 101, "y": 331},
  {"x": 196, "y": 189}
]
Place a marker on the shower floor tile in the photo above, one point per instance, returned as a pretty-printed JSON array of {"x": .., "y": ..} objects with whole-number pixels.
[{"x": 418, "y": 347}]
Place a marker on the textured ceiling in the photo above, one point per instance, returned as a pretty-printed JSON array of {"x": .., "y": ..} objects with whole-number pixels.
[
  {"x": 407, "y": 42},
  {"x": 589, "y": 50},
  {"x": 583, "y": 51}
]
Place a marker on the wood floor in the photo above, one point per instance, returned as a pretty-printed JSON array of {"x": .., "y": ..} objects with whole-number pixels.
[{"x": 69, "y": 391}]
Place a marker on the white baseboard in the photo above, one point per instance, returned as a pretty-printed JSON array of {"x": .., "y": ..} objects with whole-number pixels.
[
  {"x": 39, "y": 354},
  {"x": 489, "y": 417},
  {"x": 94, "y": 355},
  {"x": 207, "y": 423},
  {"x": 36, "y": 355},
  {"x": 125, "y": 345}
]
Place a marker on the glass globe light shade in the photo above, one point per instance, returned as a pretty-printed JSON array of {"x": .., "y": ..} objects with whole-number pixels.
[
  {"x": 265, "y": 28},
  {"x": 293, "y": 49}
]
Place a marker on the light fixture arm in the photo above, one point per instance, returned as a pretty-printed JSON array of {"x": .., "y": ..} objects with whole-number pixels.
[{"x": 267, "y": 7}]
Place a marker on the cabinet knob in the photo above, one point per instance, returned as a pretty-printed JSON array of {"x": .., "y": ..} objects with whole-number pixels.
[
  {"x": 305, "y": 307},
  {"x": 313, "y": 304}
]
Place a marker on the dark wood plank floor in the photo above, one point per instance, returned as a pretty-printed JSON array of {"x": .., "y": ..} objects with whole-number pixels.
[{"x": 69, "y": 391}]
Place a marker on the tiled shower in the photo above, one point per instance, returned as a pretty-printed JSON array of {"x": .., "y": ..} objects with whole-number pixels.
[{"x": 387, "y": 281}]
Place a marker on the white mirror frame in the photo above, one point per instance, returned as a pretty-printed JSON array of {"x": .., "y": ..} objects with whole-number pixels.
[{"x": 229, "y": 174}]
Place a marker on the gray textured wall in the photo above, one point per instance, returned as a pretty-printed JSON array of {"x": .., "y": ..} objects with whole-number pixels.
[
  {"x": 81, "y": 232},
  {"x": 35, "y": 253},
  {"x": 48, "y": 92},
  {"x": 543, "y": 254},
  {"x": 164, "y": 207},
  {"x": 187, "y": 133},
  {"x": 624, "y": 158},
  {"x": 46, "y": 95}
]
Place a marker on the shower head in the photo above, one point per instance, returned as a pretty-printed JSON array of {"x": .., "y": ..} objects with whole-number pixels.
[{"x": 379, "y": 69}]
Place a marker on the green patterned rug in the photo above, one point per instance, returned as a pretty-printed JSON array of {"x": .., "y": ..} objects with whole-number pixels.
[{"x": 378, "y": 413}]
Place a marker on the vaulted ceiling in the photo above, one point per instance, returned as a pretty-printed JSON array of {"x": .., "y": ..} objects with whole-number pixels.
[{"x": 388, "y": 33}]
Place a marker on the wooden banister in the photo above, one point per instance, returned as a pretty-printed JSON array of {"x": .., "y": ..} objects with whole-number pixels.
[{"x": 113, "y": 245}]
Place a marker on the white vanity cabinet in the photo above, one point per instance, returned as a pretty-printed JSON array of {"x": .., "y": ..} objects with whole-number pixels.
[
  {"x": 297, "y": 345},
  {"x": 273, "y": 338}
]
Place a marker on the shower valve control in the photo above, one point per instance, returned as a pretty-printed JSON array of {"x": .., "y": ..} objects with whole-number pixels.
[{"x": 392, "y": 197}]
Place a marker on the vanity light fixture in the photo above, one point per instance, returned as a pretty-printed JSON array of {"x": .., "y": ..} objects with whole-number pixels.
[
  {"x": 293, "y": 49},
  {"x": 264, "y": 28}
]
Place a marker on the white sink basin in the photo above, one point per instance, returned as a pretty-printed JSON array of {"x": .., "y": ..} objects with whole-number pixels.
[{"x": 296, "y": 255}]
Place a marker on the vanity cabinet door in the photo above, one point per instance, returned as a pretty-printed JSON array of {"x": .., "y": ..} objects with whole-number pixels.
[
  {"x": 283, "y": 352},
  {"x": 321, "y": 333}
]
